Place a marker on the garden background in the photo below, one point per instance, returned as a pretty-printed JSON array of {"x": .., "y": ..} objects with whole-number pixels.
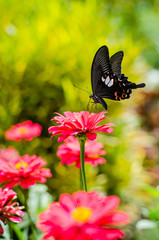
[{"x": 45, "y": 47}]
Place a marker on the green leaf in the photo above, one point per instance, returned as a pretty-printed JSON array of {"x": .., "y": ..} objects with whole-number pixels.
[
  {"x": 153, "y": 191},
  {"x": 18, "y": 232}
]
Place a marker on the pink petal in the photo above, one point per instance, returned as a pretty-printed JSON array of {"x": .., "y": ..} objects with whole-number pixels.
[
  {"x": 91, "y": 136},
  {"x": 95, "y": 233},
  {"x": 62, "y": 138},
  {"x": 1, "y": 229},
  {"x": 83, "y": 119},
  {"x": 117, "y": 218},
  {"x": 104, "y": 128},
  {"x": 95, "y": 119},
  {"x": 111, "y": 203},
  {"x": 82, "y": 198},
  {"x": 26, "y": 183},
  {"x": 14, "y": 219},
  {"x": 108, "y": 205},
  {"x": 67, "y": 202}
]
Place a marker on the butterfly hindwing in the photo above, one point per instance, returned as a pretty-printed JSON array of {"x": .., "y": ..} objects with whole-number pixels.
[{"x": 115, "y": 62}]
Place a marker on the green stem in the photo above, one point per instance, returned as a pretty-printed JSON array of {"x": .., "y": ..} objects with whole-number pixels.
[
  {"x": 82, "y": 158},
  {"x": 29, "y": 216},
  {"x": 81, "y": 182},
  {"x": 10, "y": 229}
]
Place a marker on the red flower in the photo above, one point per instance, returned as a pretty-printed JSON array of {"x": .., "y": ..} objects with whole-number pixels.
[
  {"x": 25, "y": 171},
  {"x": 69, "y": 152},
  {"x": 26, "y": 130},
  {"x": 83, "y": 216},
  {"x": 8, "y": 154},
  {"x": 76, "y": 123},
  {"x": 9, "y": 209}
]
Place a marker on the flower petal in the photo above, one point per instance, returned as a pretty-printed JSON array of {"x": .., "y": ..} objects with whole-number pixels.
[
  {"x": 67, "y": 202},
  {"x": 117, "y": 218},
  {"x": 59, "y": 222},
  {"x": 91, "y": 136},
  {"x": 24, "y": 171},
  {"x": 80, "y": 122}
]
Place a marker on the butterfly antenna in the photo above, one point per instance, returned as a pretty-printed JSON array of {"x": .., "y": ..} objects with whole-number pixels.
[{"x": 81, "y": 88}]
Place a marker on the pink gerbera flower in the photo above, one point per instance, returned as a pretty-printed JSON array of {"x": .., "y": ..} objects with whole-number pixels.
[
  {"x": 26, "y": 130},
  {"x": 80, "y": 123},
  {"x": 25, "y": 171},
  {"x": 83, "y": 216},
  {"x": 8, "y": 154},
  {"x": 9, "y": 209},
  {"x": 69, "y": 152}
]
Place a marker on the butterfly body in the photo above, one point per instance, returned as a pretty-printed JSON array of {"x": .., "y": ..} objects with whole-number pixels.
[
  {"x": 98, "y": 99},
  {"x": 107, "y": 80}
]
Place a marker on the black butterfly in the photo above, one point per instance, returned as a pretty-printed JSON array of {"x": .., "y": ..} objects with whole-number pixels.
[{"x": 107, "y": 80}]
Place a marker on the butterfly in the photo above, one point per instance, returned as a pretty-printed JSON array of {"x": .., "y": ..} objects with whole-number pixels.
[{"x": 107, "y": 80}]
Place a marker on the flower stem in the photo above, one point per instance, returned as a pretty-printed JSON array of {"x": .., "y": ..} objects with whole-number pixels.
[
  {"x": 25, "y": 192},
  {"x": 81, "y": 182},
  {"x": 82, "y": 158}
]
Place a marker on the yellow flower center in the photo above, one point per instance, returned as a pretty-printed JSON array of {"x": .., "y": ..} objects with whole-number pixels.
[
  {"x": 21, "y": 164},
  {"x": 93, "y": 156},
  {"x": 81, "y": 214},
  {"x": 22, "y": 130}
]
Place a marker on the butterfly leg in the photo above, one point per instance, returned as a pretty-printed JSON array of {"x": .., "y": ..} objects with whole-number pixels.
[
  {"x": 102, "y": 102},
  {"x": 92, "y": 105},
  {"x": 88, "y": 105},
  {"x": 95, "y": 107}
]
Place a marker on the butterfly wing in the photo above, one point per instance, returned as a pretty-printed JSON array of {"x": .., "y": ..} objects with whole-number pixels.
[
  {"x": 106, "y": 78},
  {"x": 107, "y": 91},
  {"x": 101, "y": 69},
  {"x": 100, "y": 66},
  {"x": 115, "y": 62}
]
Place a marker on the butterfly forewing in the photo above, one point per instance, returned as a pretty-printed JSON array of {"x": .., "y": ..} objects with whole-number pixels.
[
  {"x": 100, "y": 66},
  {"x": 101, "y": 73}
]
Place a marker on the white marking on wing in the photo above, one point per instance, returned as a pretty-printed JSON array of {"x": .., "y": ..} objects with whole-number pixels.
[
  {"x": 107, "y": 80},
  {"x": 111, "y": 82},
  {"x": 103, "y": 79}
]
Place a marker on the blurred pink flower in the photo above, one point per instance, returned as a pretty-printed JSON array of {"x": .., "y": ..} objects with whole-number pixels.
[
  {"x": 83, "y": 216},
  {"x": 80, "y": 123},
  {"x": 26, "y": 130},
  {"x": 8, "y": 154},
  {"x": 69, "y": 152},
  {"x": 25, "y": 171},
  {"x": 9, "y": 209}
]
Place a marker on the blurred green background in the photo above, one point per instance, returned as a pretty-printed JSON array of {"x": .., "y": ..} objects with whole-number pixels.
[{"x": 45, "y": 47}]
